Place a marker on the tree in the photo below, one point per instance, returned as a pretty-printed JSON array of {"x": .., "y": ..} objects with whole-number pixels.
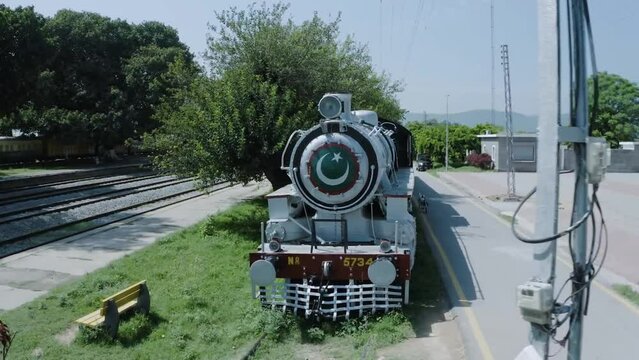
[
  {"x": 268, "y": 74},
  {"x": 96, "y": 78},
  {"x": 148, "y": 81},
  {"x": 617, "y": 117},
  {"x": 431, "y": 139},
  {"x": 22, "y": 48}
]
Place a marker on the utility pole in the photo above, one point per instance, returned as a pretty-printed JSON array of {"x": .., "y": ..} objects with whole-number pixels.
[
  {"x": 580, "y": 206},
  {"x": 447, "y": 96},
  {"x": 547, "y": 160},
  {"x": 550, "y": 135},
  {"x": 492, "y": 62},
  {"x": 510, "y": 179}
]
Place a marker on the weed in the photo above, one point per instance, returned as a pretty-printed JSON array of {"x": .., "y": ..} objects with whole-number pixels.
[
  {"x": 276, "y": 324},
  {"x": 138, "y": 327},
  {"x": 627, "y": 292},
  {"x": 315, "y": 335},
  {"x": 190, "y": 355},
  {"x": 89, "y": 335},
  {"x": 179, "y": 338}
]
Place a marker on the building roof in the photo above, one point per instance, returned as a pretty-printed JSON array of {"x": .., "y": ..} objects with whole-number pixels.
[{"x": 501, "y": 135}]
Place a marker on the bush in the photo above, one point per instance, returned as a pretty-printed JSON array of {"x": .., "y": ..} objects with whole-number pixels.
[{"x": 483, "y": 161}]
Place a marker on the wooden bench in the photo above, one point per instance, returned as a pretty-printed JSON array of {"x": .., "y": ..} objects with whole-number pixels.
[{"x": 135, "y": 297}]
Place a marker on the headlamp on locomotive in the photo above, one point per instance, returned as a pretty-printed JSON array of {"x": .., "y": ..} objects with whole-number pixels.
[{"x": 340, "y": 240}]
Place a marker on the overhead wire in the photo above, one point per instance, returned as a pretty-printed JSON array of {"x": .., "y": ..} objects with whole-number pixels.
[{"x": 418, "y": 16}]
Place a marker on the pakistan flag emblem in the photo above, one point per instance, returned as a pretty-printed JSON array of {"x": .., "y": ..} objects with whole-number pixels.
[{"x": 334, "y": 169}]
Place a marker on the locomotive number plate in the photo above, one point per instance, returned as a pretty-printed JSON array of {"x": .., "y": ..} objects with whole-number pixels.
[
  {"x": 295, "y": 265},
  {"x": 357, "y": 261}
]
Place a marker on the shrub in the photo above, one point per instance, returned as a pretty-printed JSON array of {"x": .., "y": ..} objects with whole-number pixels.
[
  {"x": 483, "y": 161},
  {"x": 315, "y": 335}
]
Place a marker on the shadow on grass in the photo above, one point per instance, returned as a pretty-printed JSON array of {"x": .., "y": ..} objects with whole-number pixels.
[
  {"x": 244, "y": 220},
  {"x": 133, "y": 330},
  {"x": 137, "y": 328}
]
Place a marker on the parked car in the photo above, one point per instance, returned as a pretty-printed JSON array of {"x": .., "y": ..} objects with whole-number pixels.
[{"x": 423, "y": 162}]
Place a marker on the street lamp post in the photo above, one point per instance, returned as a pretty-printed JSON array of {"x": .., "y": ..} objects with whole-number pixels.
[{"x": 446, "y": 159}]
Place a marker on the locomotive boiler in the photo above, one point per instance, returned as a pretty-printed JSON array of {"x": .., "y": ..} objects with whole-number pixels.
[{"x": 340, "y": 239}]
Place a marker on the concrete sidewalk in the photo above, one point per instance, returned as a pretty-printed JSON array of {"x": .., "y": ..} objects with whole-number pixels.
[
  {"x": 30, "y": 274},
  {"x": 618, "y": 195}
]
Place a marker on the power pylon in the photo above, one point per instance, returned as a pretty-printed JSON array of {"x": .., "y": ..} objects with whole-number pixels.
[{"x": 509, "y": 125}]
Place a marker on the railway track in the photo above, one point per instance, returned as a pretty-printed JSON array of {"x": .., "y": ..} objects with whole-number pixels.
[
  {"x": 28, "y": 194},
  {"x": 17, "y": 215},
  {"x": 43, "y": 224},
  {"x": 20, "y": 183},
  {"x": 22, "y": 208}
]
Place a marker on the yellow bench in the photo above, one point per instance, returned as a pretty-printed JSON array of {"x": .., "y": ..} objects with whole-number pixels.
[{"x": 135, "y": 297}]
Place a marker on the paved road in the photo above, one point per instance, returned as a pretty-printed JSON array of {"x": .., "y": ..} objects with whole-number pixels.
[
  {"x": 619, "y": 197},
  {"x": 482, "y": 264}
]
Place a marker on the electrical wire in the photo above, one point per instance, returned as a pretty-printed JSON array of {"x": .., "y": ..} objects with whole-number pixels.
[
  {"x": 593, "y": 64},
  {"x": 556, "y": 236}
]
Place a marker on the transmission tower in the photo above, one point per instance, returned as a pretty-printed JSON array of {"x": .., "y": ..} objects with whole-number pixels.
[
  {"x": 492, "y": 63},
  {"x": 509, "y": 125}
]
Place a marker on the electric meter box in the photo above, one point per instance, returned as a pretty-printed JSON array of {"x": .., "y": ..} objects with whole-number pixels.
[{"x": 535, "y": 301}]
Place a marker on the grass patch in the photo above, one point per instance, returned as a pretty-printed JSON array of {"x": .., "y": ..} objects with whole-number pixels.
[
  {"x": 13, "y": 170},
  {"x": 465, "y": 168},
  {"x": 20, "y": 171},
  {"x": 201, "y": 306},
  {"x": 627, "y": 292},
  {"x": 83, "y": 225}
]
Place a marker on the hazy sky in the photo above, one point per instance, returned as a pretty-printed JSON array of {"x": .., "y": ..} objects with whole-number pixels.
[{"x": 436, "y": 47}]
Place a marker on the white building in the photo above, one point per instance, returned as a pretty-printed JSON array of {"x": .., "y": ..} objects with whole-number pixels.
[{"x": 524, "y": 151}]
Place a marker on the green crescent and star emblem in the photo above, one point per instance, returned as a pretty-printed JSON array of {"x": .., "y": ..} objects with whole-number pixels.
[{"x": 334, "y": 169}]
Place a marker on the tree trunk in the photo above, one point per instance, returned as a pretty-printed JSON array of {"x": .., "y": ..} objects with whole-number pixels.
[{"x": 276, "y": 176}]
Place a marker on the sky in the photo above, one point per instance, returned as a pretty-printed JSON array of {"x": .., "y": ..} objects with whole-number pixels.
[{"x": 435, "y": 47}]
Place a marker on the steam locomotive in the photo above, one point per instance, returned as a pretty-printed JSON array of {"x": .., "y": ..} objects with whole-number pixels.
[{"x": 340, "y": 240}]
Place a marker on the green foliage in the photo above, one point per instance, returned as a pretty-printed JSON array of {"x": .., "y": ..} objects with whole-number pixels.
[
  {"x": 244, "y": 220},
  {"x": 315, "y": 335},
  {"x": 22, "y": 48},
  {"x": 618, "y": 111},
  {"x": 431, "y": 139},
  {"x": 268, "y": 74},
  {"x": 276, "y": 324},
  {"x": 82, "y": 75}
]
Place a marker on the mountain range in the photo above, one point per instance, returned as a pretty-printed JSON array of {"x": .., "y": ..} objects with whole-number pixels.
[{"x": 521, "y": 123}]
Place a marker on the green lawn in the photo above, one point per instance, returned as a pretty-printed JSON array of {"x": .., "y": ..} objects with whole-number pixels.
[{"x": 201, "y": 307}]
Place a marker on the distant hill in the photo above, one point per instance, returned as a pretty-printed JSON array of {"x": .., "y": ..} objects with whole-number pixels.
[{"x": 521, "y": 122}]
